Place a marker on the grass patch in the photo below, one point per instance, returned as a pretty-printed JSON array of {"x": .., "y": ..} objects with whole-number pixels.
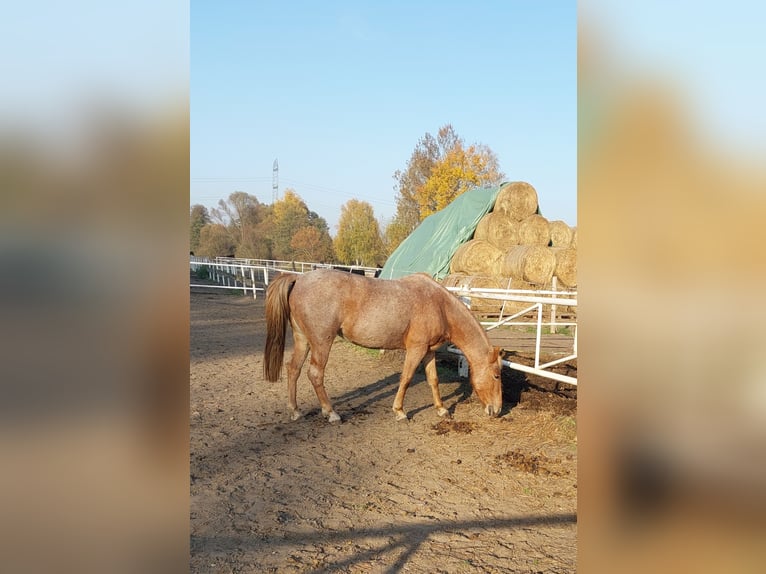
[
  {"x": 375, "y": 353},
  {"x": 546, "y": 330}
]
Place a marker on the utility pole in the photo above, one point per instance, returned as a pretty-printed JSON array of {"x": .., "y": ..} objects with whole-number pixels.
[{"x": 275, "y": 182}]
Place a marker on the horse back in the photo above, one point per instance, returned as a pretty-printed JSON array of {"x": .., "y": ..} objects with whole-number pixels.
[{"x": 375, "y": 313}]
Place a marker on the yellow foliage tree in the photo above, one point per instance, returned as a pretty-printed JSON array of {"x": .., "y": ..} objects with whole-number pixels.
[
  {"x": 358, "y": 241},
  {"x": 288, "y": 216},
  {"x": 457, "y": 172},
  {"x": 440, "y": 169}
]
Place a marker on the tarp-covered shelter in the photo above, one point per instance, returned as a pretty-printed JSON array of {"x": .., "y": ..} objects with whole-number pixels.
[{"x": 430, "y": 247}]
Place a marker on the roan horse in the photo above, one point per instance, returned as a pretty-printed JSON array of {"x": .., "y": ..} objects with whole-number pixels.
[{"x": 414, "y": 313}]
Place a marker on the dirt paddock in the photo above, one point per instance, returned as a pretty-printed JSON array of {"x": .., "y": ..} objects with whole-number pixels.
[{"x": 370, "y": 494}]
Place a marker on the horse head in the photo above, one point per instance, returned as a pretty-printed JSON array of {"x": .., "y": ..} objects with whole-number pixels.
[{"x": 485, "y": 378}]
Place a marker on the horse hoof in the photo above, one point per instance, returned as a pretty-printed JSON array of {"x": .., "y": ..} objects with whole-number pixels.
[
  {"x": 443, "y": 412},
  {"x": 296, "y": 415},
  {"x": 334, "y": 417},
  {"x": 401, "y": 415}
]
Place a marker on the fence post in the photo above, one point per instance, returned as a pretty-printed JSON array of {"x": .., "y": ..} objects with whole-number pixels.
[{"x": 554, "y": 284}]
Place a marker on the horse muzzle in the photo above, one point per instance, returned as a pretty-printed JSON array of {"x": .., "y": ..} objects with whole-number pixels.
[{"x": 492, "y": 410}]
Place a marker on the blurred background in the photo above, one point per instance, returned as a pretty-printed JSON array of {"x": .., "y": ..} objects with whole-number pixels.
[
  {"x": 671, "y": 201},
  {"x": 94, "y": 180}
]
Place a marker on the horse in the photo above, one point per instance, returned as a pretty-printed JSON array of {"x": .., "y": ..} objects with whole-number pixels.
[{"x": 414, "y": 313}]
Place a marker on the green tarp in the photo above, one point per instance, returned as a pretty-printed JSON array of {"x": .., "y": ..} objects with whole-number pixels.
[{"x": 430, "y": 247}]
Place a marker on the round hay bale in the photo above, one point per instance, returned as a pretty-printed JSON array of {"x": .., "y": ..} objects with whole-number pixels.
[
  {"x": 531, "y": 263},
  {"x": 478, "y": 304},
  {"x": 477, "y": 257},
  {"x": 535, "y": 230},
  {"x": 502, "y": 231},
  {"x": 456, "y": 280},
  {"x": 561, "y": 234},
  {"x": 516, "y": 200},
  {"x": 573, "y": 243},
  {"x": 519, "y": 284},
  {"x": 482, "y": 231},
  {"x": 566, "y": 265}
]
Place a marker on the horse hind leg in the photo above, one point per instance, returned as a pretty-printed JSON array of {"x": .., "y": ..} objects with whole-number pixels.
[
  {"x": 300, "y": 351},
  {"x": 316, "y": 376}
]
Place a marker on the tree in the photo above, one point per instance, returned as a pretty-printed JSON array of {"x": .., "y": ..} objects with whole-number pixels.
[
  {"x": 358, "y": 241},
  {"x": 242, "y": 215},
  {"x": 289, "y": 215},
  {"x": 396, "y": 232},
  {"x": 215, "y": 241},
  {"x": 199, "y": 218},
  {"x": 458, "y": 171},
  {"x": 310, "y": 244},
  {"x": 440, "y": 169}
]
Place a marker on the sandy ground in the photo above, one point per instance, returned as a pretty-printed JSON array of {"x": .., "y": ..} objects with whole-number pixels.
[{"x": 370, "y": 494}]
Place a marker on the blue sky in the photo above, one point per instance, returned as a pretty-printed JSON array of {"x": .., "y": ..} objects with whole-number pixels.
[
  {"x": 340, "y": 92},
  {"x": 710, "y": 53}
]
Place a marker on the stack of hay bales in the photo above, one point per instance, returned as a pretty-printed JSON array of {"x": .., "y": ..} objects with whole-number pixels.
[{"x": 514, "y": 246}]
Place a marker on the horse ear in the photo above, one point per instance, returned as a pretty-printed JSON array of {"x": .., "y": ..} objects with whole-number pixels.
[{"x": 495, "y": 353}]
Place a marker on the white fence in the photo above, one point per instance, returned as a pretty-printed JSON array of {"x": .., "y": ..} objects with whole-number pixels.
[
  {"x": 539, "y": 302},
  {"x": 231, "y": 275},
  {"x": 252, "y": 275}
]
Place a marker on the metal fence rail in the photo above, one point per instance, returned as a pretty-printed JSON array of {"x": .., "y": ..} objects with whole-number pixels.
[{"x": 538, "y": 300}]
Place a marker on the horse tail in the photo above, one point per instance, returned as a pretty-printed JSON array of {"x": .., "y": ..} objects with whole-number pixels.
[{"x": 277, "y": 317}]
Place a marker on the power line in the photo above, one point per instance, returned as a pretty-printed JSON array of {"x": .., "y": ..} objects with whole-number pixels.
[
  {"x": 227, "y": 179},
  {"x": 299, "y": 184}
]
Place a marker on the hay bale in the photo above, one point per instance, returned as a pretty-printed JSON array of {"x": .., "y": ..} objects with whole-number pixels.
[
  {"x": 456, "y": 280},
  {"x": 502, "y": 231},
  {"x": 482, "y": 231},
  {"x": 477, "y": 257},
  {"x": 478, "y": 304},
  {"x": 531, "y": 263},
  {"x": 573, "y": 243},
  {"x": 561, "y": 234},
  {"x": 535, "y": 230},
  {"x": 566, "y": 265},
  {"x": 516, "y": 200}
]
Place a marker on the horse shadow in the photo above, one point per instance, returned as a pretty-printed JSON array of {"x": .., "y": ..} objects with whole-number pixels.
[{"x": 514, "y": 383}]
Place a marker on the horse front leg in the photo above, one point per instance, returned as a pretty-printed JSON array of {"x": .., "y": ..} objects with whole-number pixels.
[
  {"x": 433, "y": 381},
  {"x": 411, "y": 361}
]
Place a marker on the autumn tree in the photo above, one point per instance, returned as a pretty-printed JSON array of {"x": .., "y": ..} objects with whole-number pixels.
[
  {"x": 243, "y": 216},
  {"x": 199, "y": 218},
  {"x": 358, "y": 241},
  {"x": 459, "y": 170},
  {"x": 289, "y": 215},
  {"x": 440, "y": 169},
  {"x": 310, "y": 244},
  {"x": 215, "y": 241},
  {"x": 396, "y": 232}
]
